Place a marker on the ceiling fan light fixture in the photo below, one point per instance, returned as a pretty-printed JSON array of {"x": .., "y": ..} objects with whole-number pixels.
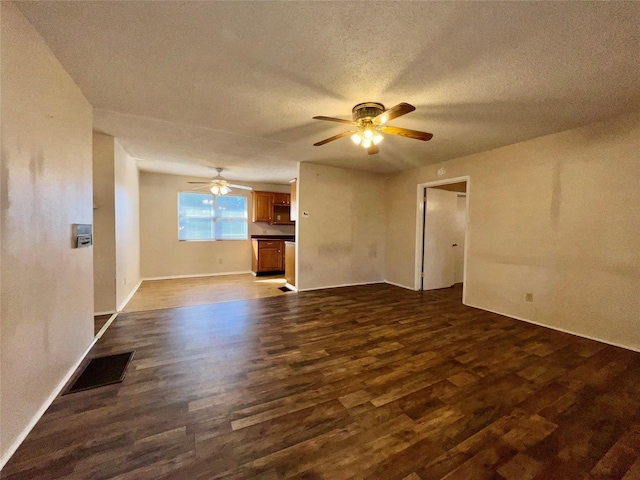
[
  {"x": 220, "y": 189},
  {"x": 369, "y": 120},
  {"x": 219, "y": 186}
]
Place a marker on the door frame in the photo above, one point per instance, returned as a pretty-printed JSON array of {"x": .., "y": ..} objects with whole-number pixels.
[{"x": 420, "y": 217}]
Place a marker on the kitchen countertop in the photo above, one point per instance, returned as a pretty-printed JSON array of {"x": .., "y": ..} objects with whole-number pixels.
[{"x": 291, "y": 238}]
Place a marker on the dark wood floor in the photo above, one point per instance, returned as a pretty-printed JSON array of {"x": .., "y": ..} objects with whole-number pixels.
[
  {"x": 371, "y": 382},
  {"x": 99, "y": 322}
]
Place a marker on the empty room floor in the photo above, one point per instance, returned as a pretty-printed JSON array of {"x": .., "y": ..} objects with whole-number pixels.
[
  {"x": 181, "y": 292},
  {"x": 368, "y": 382}
]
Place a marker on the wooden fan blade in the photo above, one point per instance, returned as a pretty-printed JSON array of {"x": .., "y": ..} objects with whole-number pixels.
[
  {"x": 331, "y": 139},
  {"x": 405, "y": 132},
  {"x": 241, "y": 187},
  {"x": 373, "y": 149},
  {"x": 200, "y": 183},
  {"x": 394, "y": 112},
  {"x": 339, "y": 120}
]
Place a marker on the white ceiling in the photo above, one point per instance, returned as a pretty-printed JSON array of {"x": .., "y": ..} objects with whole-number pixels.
[{"x": 185, "y": 85}]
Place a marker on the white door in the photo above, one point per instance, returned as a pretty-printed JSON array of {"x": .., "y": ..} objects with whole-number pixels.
[{"x": 441, "y": 208}]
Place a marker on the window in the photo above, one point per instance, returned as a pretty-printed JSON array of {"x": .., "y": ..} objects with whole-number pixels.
[{"x": 202, "y": 216}]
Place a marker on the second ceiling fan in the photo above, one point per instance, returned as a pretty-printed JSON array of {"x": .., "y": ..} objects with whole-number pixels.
[
  {"x": 370, "y": 120},
  {"x": 219, "y": 185}
]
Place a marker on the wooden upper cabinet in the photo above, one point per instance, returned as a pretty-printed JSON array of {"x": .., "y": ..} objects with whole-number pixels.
[
  {"x": 271, "y": 207},
  {"x": 281, "y": 198},
  {"x": 262, "y": 207}
]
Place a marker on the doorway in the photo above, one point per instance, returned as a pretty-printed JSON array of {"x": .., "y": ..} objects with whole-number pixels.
[{"x": 442, "y": 234}]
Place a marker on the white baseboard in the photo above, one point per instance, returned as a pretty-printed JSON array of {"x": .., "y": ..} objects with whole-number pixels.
[
  {"x": 338, "y": 286},
  {"x": 47, "y": 403},
  {"x": 95, "y": 314},
  {"x": 126, "y": 300},
  {"x": 106, "y": 325},
  {"x": 400, "y": 285},
  {"x": 291, "y": 287},
  {"x": 563, "y": 330},
  {"x": 196, "y": 275}
]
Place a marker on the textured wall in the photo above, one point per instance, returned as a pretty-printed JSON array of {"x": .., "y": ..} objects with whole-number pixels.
[
  {"x": 104, "y": 225},
  {"x": 127, "y": 223},
  {"x": 47, "y": 286},
  {"x": 341, "y": 241},
  {"x": 555, "y": 216}
]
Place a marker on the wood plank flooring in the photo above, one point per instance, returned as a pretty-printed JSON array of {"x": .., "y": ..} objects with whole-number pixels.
[
  {"x": 180, "y": 292},
  {"x": 369, "y": 382},
  {"x": 99, "y": 322}
]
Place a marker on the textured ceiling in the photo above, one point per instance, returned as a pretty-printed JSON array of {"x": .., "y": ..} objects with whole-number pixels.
[{"x": 235, "y": 84}]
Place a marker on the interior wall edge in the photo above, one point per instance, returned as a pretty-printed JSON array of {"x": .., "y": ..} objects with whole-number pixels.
[
  {"x": 340, "y": 233},
  {"x": 106, "y": 326},
  {"x": 130, "y": 296},
  {"x": 400, "y": 285}
]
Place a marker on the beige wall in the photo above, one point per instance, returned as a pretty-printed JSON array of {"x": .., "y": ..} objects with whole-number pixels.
[
  {"x": 47, "y": 286},
  {"x": 162, "y": 255},
  {"x": 127, "y": 224},
  {"x": 341, "y": 241},
  {"x": 104, "y": 226},
  {"x": 556, "y": 216}
]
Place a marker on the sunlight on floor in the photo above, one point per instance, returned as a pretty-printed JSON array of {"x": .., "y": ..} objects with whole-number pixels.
[{"x": 275, "y": 281}]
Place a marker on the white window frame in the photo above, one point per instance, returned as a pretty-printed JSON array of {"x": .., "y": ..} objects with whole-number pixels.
[{"x": 213, "y": 218}]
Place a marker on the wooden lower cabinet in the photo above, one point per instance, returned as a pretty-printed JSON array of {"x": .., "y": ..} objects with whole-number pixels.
[{"x": 268, "y": 256}]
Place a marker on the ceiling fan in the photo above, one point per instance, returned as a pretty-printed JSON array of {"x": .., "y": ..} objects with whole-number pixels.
[
  {"x": 370, "y": 120},
  {"x": 219, "y": 186}
]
